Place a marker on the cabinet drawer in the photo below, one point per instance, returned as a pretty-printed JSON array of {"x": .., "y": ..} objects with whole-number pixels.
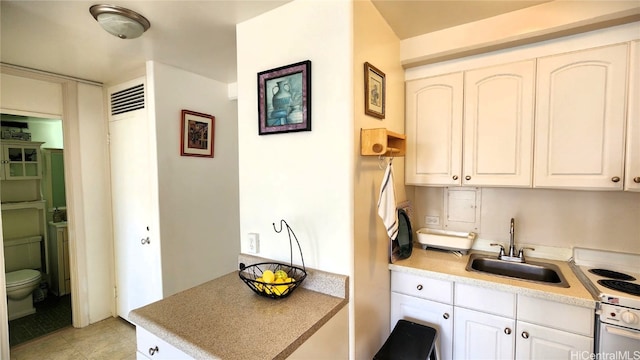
[
  {"x": 153, "y": 347},
  {"x": 422, "y": 287},
  {"x": 486, "y": 300},
  {"x": 556, "y": 315}
]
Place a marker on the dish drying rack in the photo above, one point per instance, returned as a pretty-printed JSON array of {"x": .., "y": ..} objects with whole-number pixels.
[{"x": 446, "y": 240}]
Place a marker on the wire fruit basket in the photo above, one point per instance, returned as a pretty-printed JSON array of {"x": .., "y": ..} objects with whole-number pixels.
[{"x": 272, "y": 279}]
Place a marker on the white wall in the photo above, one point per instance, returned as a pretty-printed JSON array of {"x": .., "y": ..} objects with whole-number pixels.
[
  {"x": 198, "y": 197},
  {"x": 376, "y": 43},
  {"x": 305, "y": 178}
]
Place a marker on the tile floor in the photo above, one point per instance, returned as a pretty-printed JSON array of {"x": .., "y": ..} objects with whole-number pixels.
[
  {"x": 110, "y": 339},
  {"x": 53, "y": 313}
]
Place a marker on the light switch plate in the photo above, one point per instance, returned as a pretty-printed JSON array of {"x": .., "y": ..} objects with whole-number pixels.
[{"x": 254, "y": 243}]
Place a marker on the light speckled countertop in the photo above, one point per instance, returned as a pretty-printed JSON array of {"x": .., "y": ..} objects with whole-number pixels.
[
  {"x": 224, "y": 319},
  {"x": 446, "y": 266}
]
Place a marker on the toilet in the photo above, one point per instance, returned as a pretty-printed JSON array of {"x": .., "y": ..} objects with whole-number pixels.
[{"x": 22, "y": 264}]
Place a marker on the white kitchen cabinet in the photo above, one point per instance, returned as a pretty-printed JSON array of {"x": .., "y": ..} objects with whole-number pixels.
[
  {"x": 498, "y": 125},
  {"x": 632, "y": 166},
  {"x": 473, "y": 128},
  {"x": 434, "y": 314},
  {"x": 580, "y": 119},
  {"x": 425, "y": 301},
  {"x": 150, "y": 346},
  {"x": 541, "y": 342},
  {"x": 20, "y": 160},
  {"x": 478, "y": 335},
  {"x": 434, "y": 130}
]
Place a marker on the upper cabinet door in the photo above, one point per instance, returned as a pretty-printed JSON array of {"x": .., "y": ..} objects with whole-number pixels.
[
  {"x": 580, "y": 116},
  {"x": 498, "y": 125},
  {"x": 632, "y": 171},
  {"x": 434, "y": 130}
]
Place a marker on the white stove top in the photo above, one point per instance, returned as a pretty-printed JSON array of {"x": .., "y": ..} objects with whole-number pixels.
[{"x": 629, "y": 264}]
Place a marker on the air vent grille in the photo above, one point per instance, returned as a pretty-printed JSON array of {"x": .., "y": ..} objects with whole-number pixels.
[{"x": 127, "y": 100}]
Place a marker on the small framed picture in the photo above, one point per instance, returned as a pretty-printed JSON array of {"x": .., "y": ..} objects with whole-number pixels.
[
  {"x": 198, "y": 132},
  {"x": 284, "y": 99},
  {"x": 374, "y": 91}
]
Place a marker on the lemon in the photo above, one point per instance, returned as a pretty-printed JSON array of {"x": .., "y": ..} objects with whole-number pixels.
[
  {"x": 289, "y": 280},
  {"x": 281, "y": 274},
  {"x": 280, "y": 289},
  {"x": 268, "y": 276},
  {"x": 259, "y": 286}
]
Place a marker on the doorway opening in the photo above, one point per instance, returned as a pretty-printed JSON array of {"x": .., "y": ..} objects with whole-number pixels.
[{"x": 33, "y": 197}]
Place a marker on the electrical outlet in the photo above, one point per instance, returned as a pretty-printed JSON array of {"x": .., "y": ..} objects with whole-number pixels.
[
  {"x": 254, "y": 243},
  {"x": 432, "y": 220}
]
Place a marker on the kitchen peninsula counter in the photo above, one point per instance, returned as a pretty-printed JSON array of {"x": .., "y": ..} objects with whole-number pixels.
[
  {"x": 445, "y": 265},
  {"x": 224, "y": 319}
]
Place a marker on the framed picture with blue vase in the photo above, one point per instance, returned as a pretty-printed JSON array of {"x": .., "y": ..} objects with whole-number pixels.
[{"x": 284, "y": 99}]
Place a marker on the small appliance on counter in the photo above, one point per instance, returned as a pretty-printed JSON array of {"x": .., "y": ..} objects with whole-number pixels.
[{"x": 446, "y": 240}]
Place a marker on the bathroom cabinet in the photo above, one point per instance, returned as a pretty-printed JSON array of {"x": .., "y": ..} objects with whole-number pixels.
[
  {"x": 59, "y": 258},
  {"x": 20, "y": 160}
]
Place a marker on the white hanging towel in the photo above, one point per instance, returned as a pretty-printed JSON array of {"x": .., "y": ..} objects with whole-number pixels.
[{"x": 387, "y": 203}]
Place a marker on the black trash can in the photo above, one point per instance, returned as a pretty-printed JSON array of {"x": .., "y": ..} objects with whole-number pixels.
[{"x": 409, "y": 341}]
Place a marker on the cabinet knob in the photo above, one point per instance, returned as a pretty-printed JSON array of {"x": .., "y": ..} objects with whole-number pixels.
[
  {"x": 419, "y": 287},
  {"x": 467, "y": 177},
  {"x": 636, "y": 179},
  {"x": 507, "y": 331},
  {"x": 445, "y": 315},
  {"x": 145, "y": 241},
  {"x": 525, "y": 335},
  {"x": 455, "y": 177},
  {"x": 154, "y": 350},
  {"x": 615, "y": 179}
]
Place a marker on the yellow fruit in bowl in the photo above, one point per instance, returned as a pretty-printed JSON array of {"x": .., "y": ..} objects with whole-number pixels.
[
  {"x": 268, "y": 276},
  {"x": 259, "y": 286},
  {"x": 281, "y": 274},
  {"x": 268, "y": 289},
  {"x": 280, "y": 289}
]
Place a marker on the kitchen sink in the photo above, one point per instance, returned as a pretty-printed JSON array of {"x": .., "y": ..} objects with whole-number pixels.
[{"x": 537, "y": 272}]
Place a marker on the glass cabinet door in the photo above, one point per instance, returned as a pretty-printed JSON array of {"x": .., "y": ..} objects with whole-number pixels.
[{"x": 21, "y": 162}]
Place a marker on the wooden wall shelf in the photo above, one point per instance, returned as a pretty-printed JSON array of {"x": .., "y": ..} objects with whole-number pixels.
[{"x": 382, "y": 142}]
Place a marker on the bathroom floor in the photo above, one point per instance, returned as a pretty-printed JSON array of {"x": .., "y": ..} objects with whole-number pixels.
[
  {"x": 110, "y": 339},
  {"x": 52, "y": 313}
]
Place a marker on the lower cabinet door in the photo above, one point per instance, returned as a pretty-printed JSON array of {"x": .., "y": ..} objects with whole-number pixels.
[
  {"x": 434, "y": 314},
  {"x": 479, "y": 335},
  {"x": 538, "y": 342},
  {"x": 152, "y": 347}
]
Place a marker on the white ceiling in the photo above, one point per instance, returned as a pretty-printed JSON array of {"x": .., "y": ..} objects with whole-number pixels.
[{"x": 199, "y": 36}]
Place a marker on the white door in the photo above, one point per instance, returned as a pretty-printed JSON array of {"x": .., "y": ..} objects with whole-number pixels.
[
  {"x": 498, "y": 125},
  {"x": 479, "y": 335},
  {"x": 434, "y": 130},
  {"x": 539, "y": 342},
  {"x": 632, "y": 169},
  {"x": 137, "y": 248},
  {"x": 437, "y": 315},
  {"x": 580, "y": 117}
]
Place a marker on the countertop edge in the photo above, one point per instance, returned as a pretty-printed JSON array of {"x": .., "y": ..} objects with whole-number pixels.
[{"x": 494, "y": 283}]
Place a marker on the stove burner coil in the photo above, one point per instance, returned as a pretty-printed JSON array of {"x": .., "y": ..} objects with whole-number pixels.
[
  {"x": 612, "y": 274},
  {"x": 623, "y": 286}
]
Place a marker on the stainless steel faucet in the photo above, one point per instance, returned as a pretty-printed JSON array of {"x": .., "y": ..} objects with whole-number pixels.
[
  {"x": 512, "y": 246},
  {"x": 513, "y": 254}
]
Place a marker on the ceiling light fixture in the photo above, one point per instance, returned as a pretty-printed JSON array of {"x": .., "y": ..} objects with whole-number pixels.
[{"x": 118, "y": 21}]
